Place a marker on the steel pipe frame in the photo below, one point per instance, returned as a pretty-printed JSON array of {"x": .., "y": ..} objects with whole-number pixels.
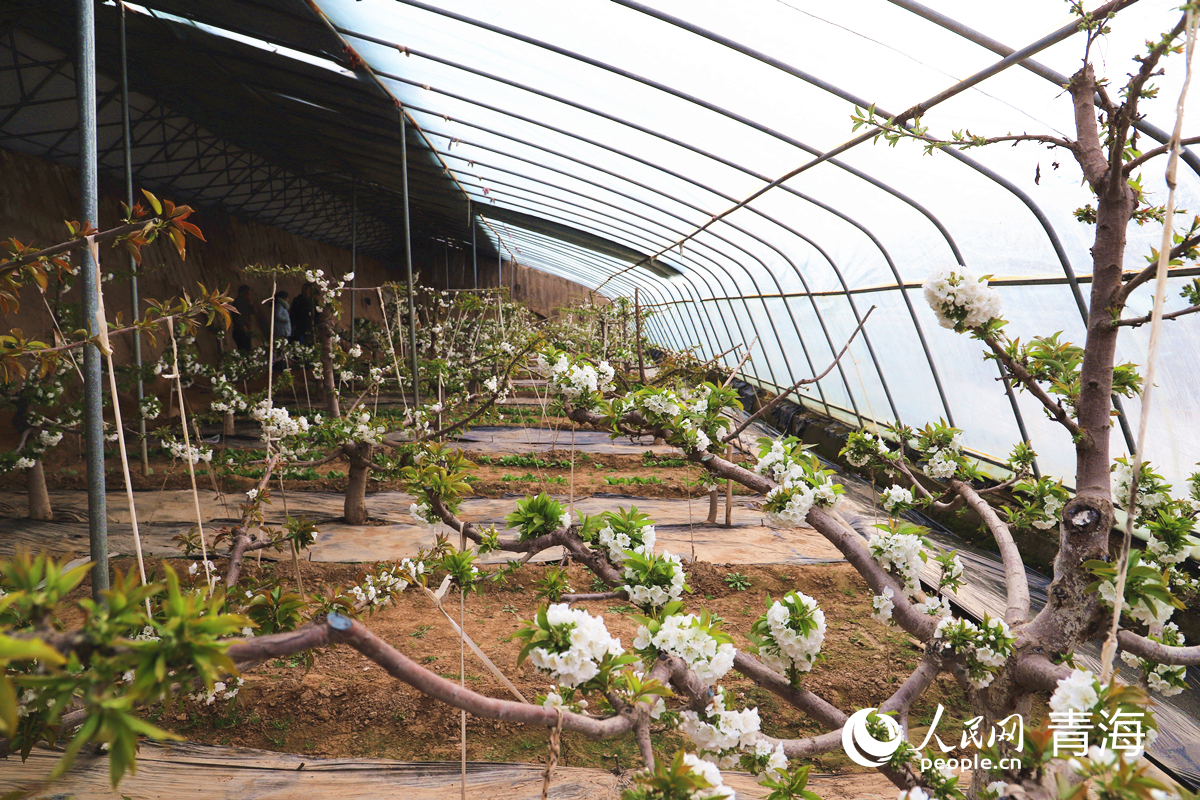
[
  {"x": 787, "y": 361},
  {"x": 657, "y": 167},
  {"x": 687, "y": 277},
  {"x": 666, "y": 89},
  {"x": 769, "y": 218},
  {"x": 697, "y": 265},
  {"x": 782, "y": 255},
  {"x": 586, "y": 262},
  {"x": 85, "y": 94},
  {"x": 695, "y": 29},
  {"x": 650, "y": 284},
  {"x": 829, "y": 209},
  {"x": 133, "y": 266},
  {"x": 185, "y": 132},
  {"x": 995, "y": 47},
  {"x": 594, "y": 266}
]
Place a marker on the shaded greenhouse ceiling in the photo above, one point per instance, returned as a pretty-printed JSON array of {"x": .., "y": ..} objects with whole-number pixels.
[{"x": 576, "y": 130}]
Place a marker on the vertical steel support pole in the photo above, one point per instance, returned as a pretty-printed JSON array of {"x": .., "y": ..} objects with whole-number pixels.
[
  {"x": 408, "y": 270},
  {"x": 135, "y": 302},
  {"x": 353, "y": 251},
  {"x": 474, "y": 251},
  {"x": 93, "y": 390}
]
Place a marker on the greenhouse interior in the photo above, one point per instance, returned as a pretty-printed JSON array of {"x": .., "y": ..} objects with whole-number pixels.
[{"x": 772, "y": 399}]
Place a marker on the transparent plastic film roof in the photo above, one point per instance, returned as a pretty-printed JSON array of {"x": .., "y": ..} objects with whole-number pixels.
[{"x": 639, "y": 124}]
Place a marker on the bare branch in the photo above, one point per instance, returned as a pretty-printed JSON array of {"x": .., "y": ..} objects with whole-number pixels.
[
  {"x": 1156, "y": 651},
  {"x": 1015, "y": 581},
  {"x": 1135, "y": 322},
  {"x": 779, "y": 398}
]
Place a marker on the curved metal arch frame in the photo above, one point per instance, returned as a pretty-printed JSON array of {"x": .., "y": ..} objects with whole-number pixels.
[
  {"x": 799, "y": 274},
  {"x": 908, "y": 303},
  {"x": 787, "y": 362},
  {"x": 583, "y": 262},
  {"x": 750, "y": 317},
  {"x": 874, "y": 240},
  {"x": 987, "y": 172},
  {"x": 641, "y": 201}
]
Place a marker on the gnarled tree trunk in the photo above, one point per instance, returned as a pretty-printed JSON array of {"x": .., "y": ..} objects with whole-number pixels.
[
  {"x": 355, "y": 507},
  {"x": 39, "y": 498}
]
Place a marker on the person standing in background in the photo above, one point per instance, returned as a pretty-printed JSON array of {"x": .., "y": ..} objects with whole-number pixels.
[
  {"x": 302, "y": 315},
  {"x": 243, "y": 320},
  {"x": 283, "y": 319}
]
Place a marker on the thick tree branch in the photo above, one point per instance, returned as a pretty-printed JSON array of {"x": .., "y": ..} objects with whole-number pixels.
[
  {"x": 813, "y": 705},
  {"x": 1036, "y": 672},
  {"x": 1088, "y": 151},
  {"x": 1156, "y": 651},
  {"x": 1016, "y": 584}
]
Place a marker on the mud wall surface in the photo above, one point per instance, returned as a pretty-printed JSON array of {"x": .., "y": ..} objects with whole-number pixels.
[{"x": 37, "y": 195}]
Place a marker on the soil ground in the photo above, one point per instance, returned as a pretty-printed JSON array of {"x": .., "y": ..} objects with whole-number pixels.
[{"x": 341, "y": 704}]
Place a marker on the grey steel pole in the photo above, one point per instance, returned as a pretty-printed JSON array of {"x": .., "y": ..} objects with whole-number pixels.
[
  {"x": 474, "y": 251},
  {"x": 353, "y": 251},
  {"x": 412, "y": 308},
  {"x": 93, "y": 391},
  {"x": 133, "y": 267}
]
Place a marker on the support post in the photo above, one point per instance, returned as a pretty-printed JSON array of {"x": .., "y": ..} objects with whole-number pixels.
[
  {"x": 474, "y": 250},
  {"x": 93, "y": 390},
  {"x": 133, "y": 267},
  {"x": 408, "y": 271},
  {"x": 637, "y": 319},
  {"x": 353, "y": 252}
]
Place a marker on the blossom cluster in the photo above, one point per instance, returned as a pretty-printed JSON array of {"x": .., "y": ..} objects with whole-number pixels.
[
  {"x": 654, "y": 580},
  {"x": 692, "y": 638},
  {"x": 378, "y": 588},
  {"x": 576, "y": 381},
  {"x": 615, "y": 543},
  {"x": 692, "y": 415},
  {"x": 720, "y": 733},
  {"x": 276, "y": 422},
  {"x": 960, "y": 300},
  {"x": 1165, "y": 679},
  {"x": 220, "y": 690},
  {"x": 862, "y": 447},
  {"x": 323, "y": 291},
  {"x": 1079, "y": 691},
  {"x": 896, "y": 499},
  {"x": 710, "y": 774},
  {"x": 578, "y": 643},
  {"x": 803, "y": 484},
  {"x": 423, "y": 514},
  {"x": 1152, "y": 493},
  {"x": 184, "y": 452},
  {"x": 898, "y": 548},
  {"x": 791, "y": 633},
  {"x": 986, "y": 646}
]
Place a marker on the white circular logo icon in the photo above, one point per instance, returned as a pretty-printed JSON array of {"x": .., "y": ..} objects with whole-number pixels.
[{"x": 863, "y": 748}]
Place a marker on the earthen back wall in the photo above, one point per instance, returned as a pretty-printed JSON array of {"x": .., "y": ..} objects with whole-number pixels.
[{"x": 37, "y": 195}]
